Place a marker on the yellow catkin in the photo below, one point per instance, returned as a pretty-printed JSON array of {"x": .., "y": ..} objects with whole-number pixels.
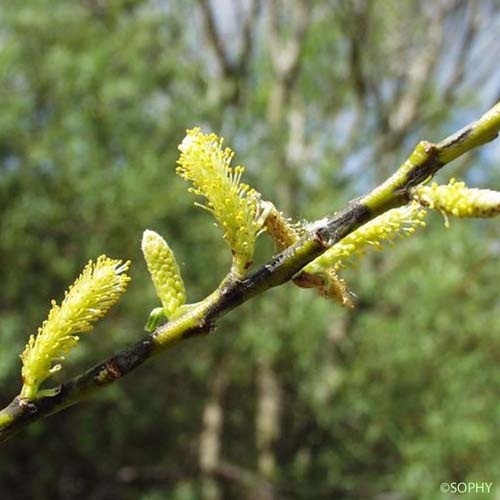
[
  {"x": 205, "y": 163},
  {"x": 458, "y": 200},
  {"x": 393, "y": 224},
  {"x": 90, "y": 297},
  {"x": 164, "y": 271}
]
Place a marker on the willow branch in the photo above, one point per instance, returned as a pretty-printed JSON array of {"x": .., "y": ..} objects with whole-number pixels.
[{"x": 423, "y": 163}]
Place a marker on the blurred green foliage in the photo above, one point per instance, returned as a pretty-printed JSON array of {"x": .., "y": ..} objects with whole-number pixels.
[{"x": 392, "y": 398}]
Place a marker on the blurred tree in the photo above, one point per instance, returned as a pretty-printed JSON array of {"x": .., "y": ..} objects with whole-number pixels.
[{"x": 320, "y": 100}]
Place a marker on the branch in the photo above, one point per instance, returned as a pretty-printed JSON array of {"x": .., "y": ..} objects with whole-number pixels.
[
  {"x": 471, "y": 32},
  {"x": 233, "y": 69},
  {"x": 423, "y": 163},
  {"x": 400, "y": 113},
  {"x": 419, "y": 75},
  {"x": 245, "y": 478},
  {"x": 357, "y": 22},
  {"x": 248, "y": 38},
  {"x": 215, "y": 39}
]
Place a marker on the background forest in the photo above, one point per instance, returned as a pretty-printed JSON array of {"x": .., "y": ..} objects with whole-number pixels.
[{"x": 293, "y": 396}]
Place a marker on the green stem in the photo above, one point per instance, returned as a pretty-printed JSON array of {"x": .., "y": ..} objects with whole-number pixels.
[{"x": 475, "y": 134}]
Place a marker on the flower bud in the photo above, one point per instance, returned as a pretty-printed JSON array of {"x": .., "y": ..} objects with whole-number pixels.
[{"x": 164, "y": 272}]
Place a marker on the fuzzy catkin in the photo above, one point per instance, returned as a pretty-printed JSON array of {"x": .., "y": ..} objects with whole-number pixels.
[
  {"x": 395, "y": 223},
  {"x": 458, "y": 200},
  {"x": 205, "y": 163},
  {"x": 90, "y": 297}
]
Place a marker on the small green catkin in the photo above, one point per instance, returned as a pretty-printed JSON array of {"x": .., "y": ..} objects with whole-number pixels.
[{"x": 164, "y": 272}]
